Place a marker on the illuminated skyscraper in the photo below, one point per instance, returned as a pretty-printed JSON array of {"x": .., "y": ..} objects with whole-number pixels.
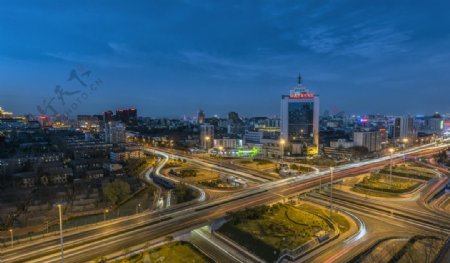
[
  {"x": 115, "y": 132},
  {"x": 300, "y": 120},
  {"x": 127, "y": 116},
  {"x": 201, "y": 117},
  {"x": 206, "y": 136}
]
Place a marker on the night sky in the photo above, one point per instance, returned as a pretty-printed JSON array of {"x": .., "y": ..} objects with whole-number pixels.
[{"x": 172, "y": 58}]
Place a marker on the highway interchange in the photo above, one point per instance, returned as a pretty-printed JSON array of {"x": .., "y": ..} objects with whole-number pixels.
[{"x": 94, "y": 241}]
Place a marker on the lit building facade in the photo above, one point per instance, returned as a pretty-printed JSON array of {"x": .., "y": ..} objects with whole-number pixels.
[
  {"x": 115, "y": 132},
  {"x": 206, "y": 136},
  {"x": 369, "y": 139},
  {"x": 201, "y": 117},
  {"x": 300, "y": 120}
]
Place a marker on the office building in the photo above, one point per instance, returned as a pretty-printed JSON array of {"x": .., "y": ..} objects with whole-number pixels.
[
  {"x": 369, "y": 139},
  {"x": 206, "y": 136},
  {"x": 115, "y": 132},
  {"x": 127, "y": 116},
  {"x": 108, "y": 116},
  {"x": 201, "y": 117},
  {"x": 407, "y": 129},
  {"x": 228, "y": 143},
  {"x": 300, "y": 121}
]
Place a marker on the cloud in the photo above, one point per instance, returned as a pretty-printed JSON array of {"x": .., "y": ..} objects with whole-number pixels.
[
  {"x": 359, "y": 40},
  {"x": 97, "y": 60},
  {"x": 224, "y": 66}
]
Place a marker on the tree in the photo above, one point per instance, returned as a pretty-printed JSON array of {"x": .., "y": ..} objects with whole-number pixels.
[
  {"x": 359, "y": 151},
  {"x": 116, "y": 191},
  {"x": 183, "y": 193}
]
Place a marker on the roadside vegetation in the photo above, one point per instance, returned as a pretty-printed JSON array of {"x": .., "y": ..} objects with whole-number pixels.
[
  {"x": 175, "y": 163},
  {"x": 381, "y": 182},
  {"x": 266, "y": 230},
  {"x": 319, "y": 161},
  {"x": 300, "y": 168},
  {"x": 172, "y": 252},
  {"x": 410, "y": 170},
  {"x": 195, "y": 175},
  {"x": 259, "y": 164},
  {"x": 116, "y": 191},
  {"x": 135, "y": 167},
  {"x": 341, "y": 221},
  {"x": 184, "y": 193}
]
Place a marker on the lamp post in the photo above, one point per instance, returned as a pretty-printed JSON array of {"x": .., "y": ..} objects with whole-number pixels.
[
  {"x": 282, "y": 143},
  {"x": 11, "y": 231},
  {"x": 221, "y": 149},
  {"x": 104, "y": 214},
  {"x": 61, "y": 232},
  {"x": 331, "y": 193},
  {"x": 207, "y": 138},
  {"x": 405, "y": 142},
  {"x": 137, "y": 208},
  {"x": 391, "y": 151}
]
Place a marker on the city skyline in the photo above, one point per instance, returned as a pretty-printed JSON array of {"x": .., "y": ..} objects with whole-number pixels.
[
  {"x": 173, "y": 63},
  {"x": 224, "y": 131}
]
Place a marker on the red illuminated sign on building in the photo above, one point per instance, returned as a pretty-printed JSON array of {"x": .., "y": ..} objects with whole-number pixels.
[{"x": 302, "y": 96}]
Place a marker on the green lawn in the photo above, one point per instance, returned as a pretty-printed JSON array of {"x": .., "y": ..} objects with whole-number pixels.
[
  {"x": 410, "y": 170},
  {"x": 279, "y": 227},
  {"x": 340, "y": 220},
  {"x": 171, "y": 252},
  {"x": 380, "y": 182},
  {"x": 260, "y": 165},
  {"x": 201, "y": 175}
]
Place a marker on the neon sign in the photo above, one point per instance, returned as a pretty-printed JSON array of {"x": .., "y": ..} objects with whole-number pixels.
[{"x": 301, "y": 96}]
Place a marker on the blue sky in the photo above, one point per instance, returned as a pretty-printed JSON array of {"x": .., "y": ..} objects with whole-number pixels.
[{"x": 171, "y": 58}]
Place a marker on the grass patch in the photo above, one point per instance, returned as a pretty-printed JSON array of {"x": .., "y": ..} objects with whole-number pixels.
[
  {"x": 300, "y": 168},
  {"x": 380, "y": 182},
  {"x": 267, "y": 230},
  {"x": 409, "y": 172},
  {"x": 175, "y": 163},
  {"x": 340, "y": 220},
  {"x": 259, "y": 164},
  {"x": 171, "y": 252},
  {"x": 195, "y": 175},
  {"x": 374, "y": 193}
]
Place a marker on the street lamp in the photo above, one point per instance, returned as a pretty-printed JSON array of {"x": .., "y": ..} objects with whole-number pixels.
[
  {"x": 391, "y": 151},
  {"x": 207, "y": 138},
  {"x": 137, "y": 208},
  {"x": 405, "y": 142},
  {"x": 282, "y": 143},
  {"x": 61, "y": 232},
  {"x": 104, "y": 214},
  {"x": 331, "y": 193},
  {"x": 11, "y": 231}
]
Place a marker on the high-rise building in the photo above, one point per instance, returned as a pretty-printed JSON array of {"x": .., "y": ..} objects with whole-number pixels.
[
  {"x": 407, "y": 129},
  {"x": 300, "y": 120},
  {"x": 115, "y": 132},
  {"x": 127, "y": 116},
  {"x": 233, "y": 117},
  {"x": 395, "y": 130},
  {"x": 5, "y": 114},
  {"x": 206, "y": 136},
  {"x": 201, "y": 117},
  {"x": 434, "y": 124},
  {"x": 369, "y": 139},
  {"x": 108, "y": 116}
]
